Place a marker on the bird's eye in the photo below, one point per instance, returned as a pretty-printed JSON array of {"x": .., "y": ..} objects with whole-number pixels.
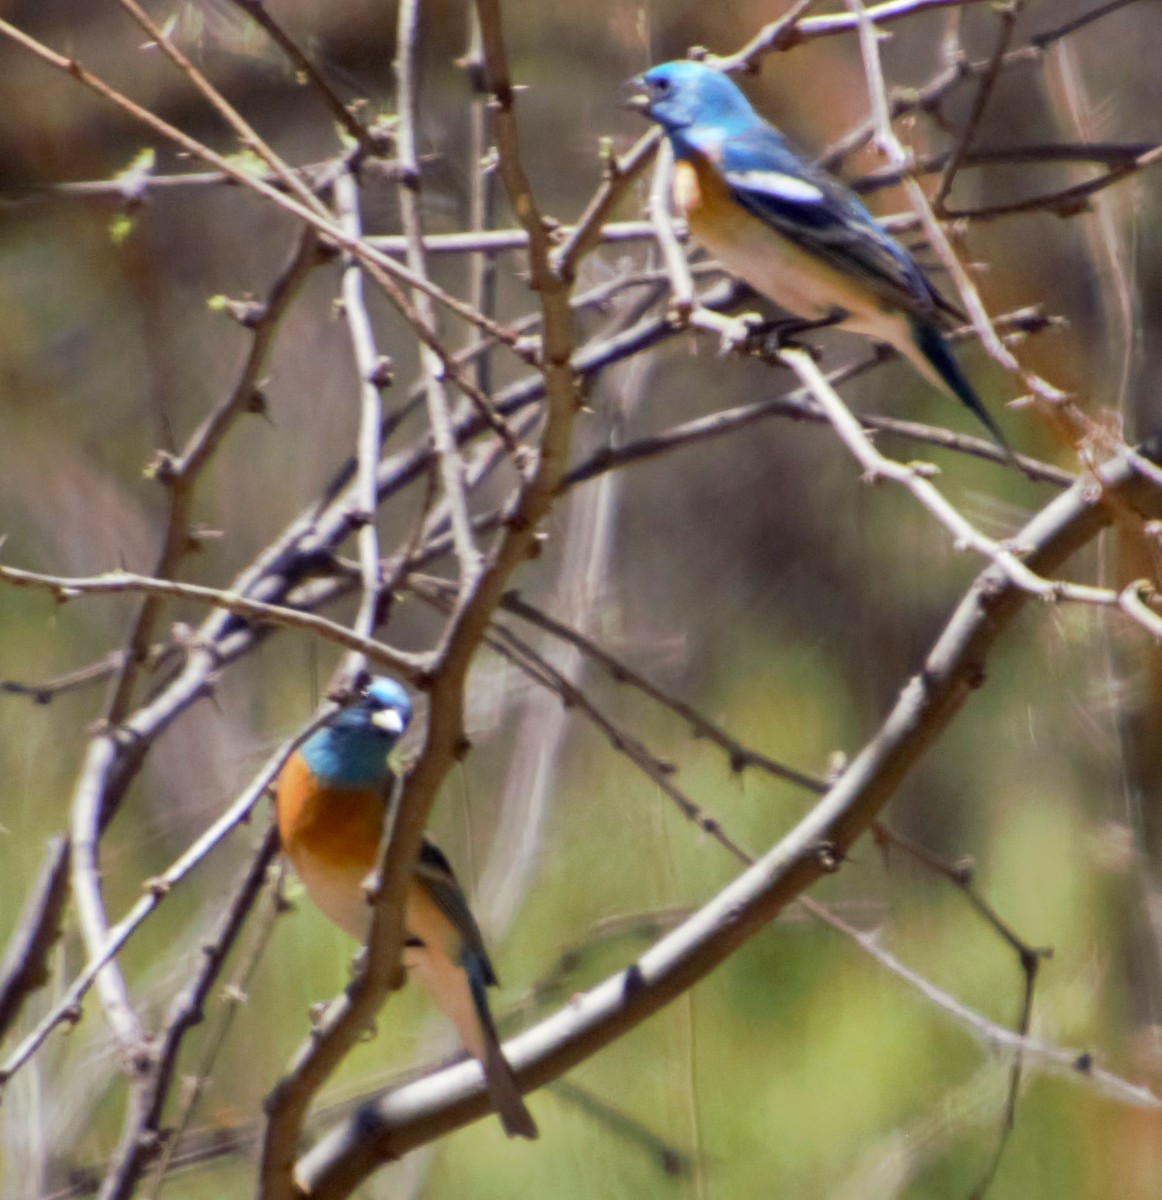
[{"x": 661, "y": 86}]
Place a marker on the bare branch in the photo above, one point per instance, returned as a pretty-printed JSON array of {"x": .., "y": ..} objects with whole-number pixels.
[
  {"x": 247, "y": 134},
  {"x": 370, "y": 371},
  {"x": 25, "y": 968},
  {"x": 144, "y": 1137},
  {"x": 71, "y": 681},
  {"x": 740, "y": 756},
  {"x": 367, "y": 139},
  {"x": 409, "y": 666},
  {"x": 67, "y": 1008},
  {"x": 451, "y": 466},
  {"x": 1008, "y": 19}
]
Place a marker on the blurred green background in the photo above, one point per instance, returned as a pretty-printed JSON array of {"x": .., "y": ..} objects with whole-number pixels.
[{"x": 754, "y": 576}]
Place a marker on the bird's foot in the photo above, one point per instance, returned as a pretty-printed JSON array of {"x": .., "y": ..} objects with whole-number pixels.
[
  {"x": 788, "y": 333},
  {"x": 770, "y": 338},
  {"x": 733, "y": 332},
  {"x": 737, "y": 334}
]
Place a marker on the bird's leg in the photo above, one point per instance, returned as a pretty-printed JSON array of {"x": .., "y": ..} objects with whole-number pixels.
[{"x": 786, "y": 332}]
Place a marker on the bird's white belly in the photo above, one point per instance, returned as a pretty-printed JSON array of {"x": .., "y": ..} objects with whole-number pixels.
[
  {"x": 338, "y": 894},
  {"x": 804, "y": 285}
]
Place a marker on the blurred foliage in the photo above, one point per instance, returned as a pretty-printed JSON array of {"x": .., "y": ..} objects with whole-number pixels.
[{"x": 754, "y": 576}]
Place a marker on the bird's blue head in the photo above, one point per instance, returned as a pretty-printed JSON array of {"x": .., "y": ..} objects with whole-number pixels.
[
  {"x": 683, "y": 93},
  {"x": 351, "y": 749}
]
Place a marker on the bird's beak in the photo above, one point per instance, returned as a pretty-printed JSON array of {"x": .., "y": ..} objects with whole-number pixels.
[
  {"x": 639, "y": 103},
  {"x": 389, "y": 721}
]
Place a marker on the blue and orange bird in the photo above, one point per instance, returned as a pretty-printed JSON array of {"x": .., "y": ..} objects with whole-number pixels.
[
  {"x": 793, "y": 232},
  {"x": 331, "y": 799}
]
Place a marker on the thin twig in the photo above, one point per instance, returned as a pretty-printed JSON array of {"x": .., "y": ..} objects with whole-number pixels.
[
  {"x": 306, "y": 69},
  {"x": 1046, "y": 39},
  {"x": 85, "y": 829},
  {"x": 781, "y": 34},
  {"x": 519, "y": 652},
  {"x": 180, "y": 474},
  {"x": 247, "y": 134},
  {"x": 1029, "y": 959},
  {"x": 370, "y": 371},
  {"x": 914, "y": 477},
  {"x": 67, "y": 1009},
  {"x": 71, "y": 681},
  {"x": 682, "y": 283},
  {"x": 1067, "y": 201},
  {"x": 1007, "y": 14},
  {"x": 482, "y": 198},
  {"x": 409, "y": 666},
  {"x": 233, "y": 998},
  {"x": 25, "y": 968},
  {"x": 889, "y": 145},
  {"x": 740, "y": 756},
  {"x": 382, "y": 267},
  {"x": 451, "y": 465},
  {"x": 144, "y": 1136}
]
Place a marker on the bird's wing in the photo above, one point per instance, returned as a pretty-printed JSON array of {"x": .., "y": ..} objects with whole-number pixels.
[
  {"x": 435, "y": 874},
  {"x": 824, "y": 218}
]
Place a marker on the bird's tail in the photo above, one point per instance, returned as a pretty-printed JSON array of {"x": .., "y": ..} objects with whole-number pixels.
[
  {"x": 498, "y": 1077},
  {"x": 930, "y": 353}
]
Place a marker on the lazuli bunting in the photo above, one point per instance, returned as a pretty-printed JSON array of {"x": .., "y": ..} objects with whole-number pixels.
[
  {"x": 790, "y": 230},
  {"x": 331, "y": 800}
]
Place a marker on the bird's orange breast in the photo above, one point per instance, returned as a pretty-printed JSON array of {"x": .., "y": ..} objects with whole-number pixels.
[
  {"x": 337, "y": 826},
  {"x": 700, "y": 195}
]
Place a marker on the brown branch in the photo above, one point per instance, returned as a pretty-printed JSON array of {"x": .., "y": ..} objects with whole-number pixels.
[
  {"x": 659, "y": 772},
  {"x": 1029, "y": 959},
  {"x": 383, "y": 269},
  {"x": 482, "y": 275},
  {"x": 369, "y": 141},
  {"x": 1007, "y": 14},
  {"x": 604, "y": 351},
  {"x": 67, "y": 1008},
  {"x": 25, "y": 968},
  {"x": 1107, "y": 154},
  {"x": 1073, "y": 425},
  {"x": 144, "y": 1136},
  {"x": 1046, "y": 39},
  {"x": 102, "y": 759},
  {"x": 781, "y": 34},
  {"x": 180, "y": 474},
  {"x": 915, "y": 477},
  {"x": 620, "y": 174},
  {"x": 71, "y": 681},
  {"x": 879, "y": 14},
  {"x": 248, "y": 136},
  {"x": 929, "y": 97},
  {"x": 740, "y": 756},
  {"x": 1065, "y": 202},
  {"x": 369, "y": 367},
  {"x": 439, "y": 416},
  {"x": 410, "y": 666},
  {"x": 798, "y": 406},
  {"x": 233, "y": 999}
]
